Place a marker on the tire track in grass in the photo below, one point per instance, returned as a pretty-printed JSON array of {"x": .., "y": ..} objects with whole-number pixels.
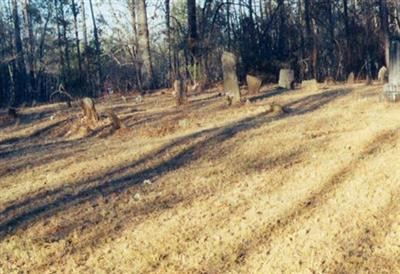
[
  {"x": 224, "y": 222},
  {"x": 305, "y": 208},
  {"x": 136, "y": 216},
  {"x": 361, "y": 254}
]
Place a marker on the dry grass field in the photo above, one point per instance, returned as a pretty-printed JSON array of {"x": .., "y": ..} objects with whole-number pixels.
[{"x": 205, "y": 188}]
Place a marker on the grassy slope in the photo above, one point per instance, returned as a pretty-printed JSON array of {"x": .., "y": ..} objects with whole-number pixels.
[{"x": 232, "y": 189}]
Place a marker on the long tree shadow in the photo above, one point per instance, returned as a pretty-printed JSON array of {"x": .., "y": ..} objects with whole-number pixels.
[
  {"x": 29, "y": 142},
  {"x": 270, "y": 93},
  {"x": 27, "y": 118},
  {"x": 32, "y": 162},
  {"x": 32, "y": 146},
  {"x": 21, "y": 213},
  {"x": 36, "y": 133},
  {"x": 307, "y": 204}
]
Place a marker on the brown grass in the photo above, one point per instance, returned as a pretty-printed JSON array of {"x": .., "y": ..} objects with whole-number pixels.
[{"x": 205, "y": 188}]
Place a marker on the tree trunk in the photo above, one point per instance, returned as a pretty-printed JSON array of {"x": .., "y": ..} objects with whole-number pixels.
[
  {"x": 84, "y": 28},
  {"x": 64, "y": 36},
  {"x": 61, "y": 64},
  {"x": 192, "y": 25},
  {"x": 193, "y": 38},
  {"x": 144, "y": 45},
  {"x": 99, "y": 76},
  {"x": 168, "y": 26},
  {"x": 180, "y": 88},
  {"x": 383, "y": 8},
  {"x": 135, "y": 44},
  {"x": 282, "y": 30},
  {"x": 311, "y": 41},
  {"x": 331, "y": 44},
  {"x": 20, "y": 75},
  {"x": 77, "y": 42},
  {"x": 30, "y": 46}
]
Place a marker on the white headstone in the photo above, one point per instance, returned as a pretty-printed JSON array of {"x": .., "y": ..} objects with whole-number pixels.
[
  {"x": 351, "y": 78},
  {"x": 391, "y": 91},
  {"x": 286, "y": 78},
  {"x": 382, "y": 74}
]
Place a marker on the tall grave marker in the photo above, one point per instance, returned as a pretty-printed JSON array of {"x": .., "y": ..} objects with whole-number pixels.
[{"x": 391, "y": 91}]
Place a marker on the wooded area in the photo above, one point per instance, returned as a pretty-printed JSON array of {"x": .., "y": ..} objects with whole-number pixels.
[{"x": 53, "y": 47}]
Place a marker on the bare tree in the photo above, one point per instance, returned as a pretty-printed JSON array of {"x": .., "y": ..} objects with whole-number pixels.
[
  {"x": 20, "y": 74},
  {"x": 76, "y": 29},
  {"x": 144, "y": 44},
  {"x": 99, "y": 76}
]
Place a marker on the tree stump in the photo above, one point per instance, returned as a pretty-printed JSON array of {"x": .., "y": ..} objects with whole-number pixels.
[
  {"x": 231, "y": 85},
  {"x": 180, "y": 92},
  {"x": 286, "y": 78},
  {"x": 253, "y": 84},
  {"x": 391, "y": 91},
  {"x": 89, "y": 111}
]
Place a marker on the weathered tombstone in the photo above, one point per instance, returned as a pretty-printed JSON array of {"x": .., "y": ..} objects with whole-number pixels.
[
  {"x": 391, "y": 91},
  {"x": 180, "y": 91},
  {"x": 231, "y": 85},
  {"x": 253, "y": 84},
  {"x": 115, "y": 121},
  {"x": 382, "y": 74},
  {"x": 195, "y": 88},
  {"x": 89, "y": 111},
  {"x": 139, "y": 99},
  {"x": 286, "y": 78},
  {"x": 310, "y": 85},
  {"x": 351, "y": 78},
  {"x": 329, "y": 80}
]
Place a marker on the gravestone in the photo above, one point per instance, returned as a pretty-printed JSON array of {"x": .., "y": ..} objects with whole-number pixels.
[
  {"x": 391, "y": 91},
  {"x": 286, "y": 78},
  {"x": 382, "y": 74},
  {"x": 350, "y": 78},
  {"x": 231, "y": 85},
  {"x": 253, "y": 84},
  {"x": 89, "y": 111},
  {"x": 310, "y": 85}
]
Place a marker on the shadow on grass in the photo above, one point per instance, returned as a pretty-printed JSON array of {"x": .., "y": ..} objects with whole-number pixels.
[
  {"x": 39, "y": 132},
  {"x": 21, "y": 213},
  {"x": 271, "y": 93}
]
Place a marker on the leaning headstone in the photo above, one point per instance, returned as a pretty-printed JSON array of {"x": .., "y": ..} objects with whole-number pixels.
[
  {"x": 286, "y": 78},
  {"x": 253, "y": 84},
  {"x": 231, "y": 85},
  {"x": 139, "y": 99},
  {"x": 115, "y": 121},
  {"x": 382, "y": 75},
  {"x": 310, "y": 85},
  {"x": 195, "y": 88},
  {"x": 89, "y": 111},
  {"x": 351, "y": 78},
  {"x": 391, "y": 91}
]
